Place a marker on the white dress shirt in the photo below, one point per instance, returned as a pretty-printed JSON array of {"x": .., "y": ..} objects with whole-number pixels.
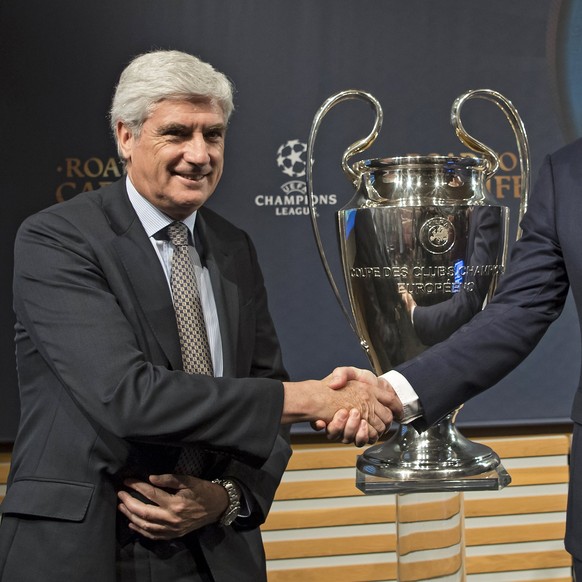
[
  {"x": 154, "y": 220},
  {"x": 408, "y": 397}
]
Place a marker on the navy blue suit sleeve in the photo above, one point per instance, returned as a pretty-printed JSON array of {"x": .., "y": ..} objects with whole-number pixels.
[{"x": 531, "y": 295}]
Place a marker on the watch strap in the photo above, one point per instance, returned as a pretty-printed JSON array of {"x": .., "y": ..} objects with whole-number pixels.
[{"x": 234, "y": 498}]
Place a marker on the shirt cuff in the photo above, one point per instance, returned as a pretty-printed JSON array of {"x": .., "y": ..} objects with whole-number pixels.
[
  {"x": 245, "y": 508},
  {"x": 412, "y": 408}
]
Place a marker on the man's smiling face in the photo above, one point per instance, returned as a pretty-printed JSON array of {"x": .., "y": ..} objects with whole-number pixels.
[{"x": 177, "y": 161}]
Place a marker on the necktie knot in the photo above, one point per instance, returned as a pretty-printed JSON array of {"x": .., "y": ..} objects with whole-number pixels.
[{"x": 178, "y": 233}]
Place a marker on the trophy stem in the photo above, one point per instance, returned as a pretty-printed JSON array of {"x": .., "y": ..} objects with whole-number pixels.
[{"x": 438, "y": 459}]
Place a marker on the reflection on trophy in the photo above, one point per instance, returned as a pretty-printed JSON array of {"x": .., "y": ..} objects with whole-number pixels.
[{"x": 422, "y": 247}]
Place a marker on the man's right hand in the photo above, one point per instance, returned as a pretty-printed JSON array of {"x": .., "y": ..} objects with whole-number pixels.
[
  {"x": 346, "y": 389},
  {"x": 345, "y": 427}
]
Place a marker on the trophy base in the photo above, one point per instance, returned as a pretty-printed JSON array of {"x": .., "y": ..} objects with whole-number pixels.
[{"x": 439, "y": 459}]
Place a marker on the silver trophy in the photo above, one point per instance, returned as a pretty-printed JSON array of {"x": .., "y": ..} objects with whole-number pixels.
[{"x": 422, "y": 246}]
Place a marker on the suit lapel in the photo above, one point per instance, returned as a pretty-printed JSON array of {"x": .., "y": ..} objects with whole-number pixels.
[
  {"x": 145, "y": 273},
  {"x": 219, "y": 261}
]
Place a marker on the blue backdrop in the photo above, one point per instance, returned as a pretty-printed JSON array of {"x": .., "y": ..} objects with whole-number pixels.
[{"x": 59, "y": 63}]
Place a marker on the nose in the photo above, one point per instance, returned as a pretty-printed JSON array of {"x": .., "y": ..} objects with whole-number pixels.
[{"x": 196, "y": 150}]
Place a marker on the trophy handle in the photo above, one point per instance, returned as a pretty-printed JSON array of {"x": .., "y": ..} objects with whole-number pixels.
[
  {"x": 353, "y": 176},
  {"x": 491, "y": 157}
]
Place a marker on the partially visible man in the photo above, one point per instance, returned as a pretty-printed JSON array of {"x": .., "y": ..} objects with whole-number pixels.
[
  {"x": 116, "y": 406},
  {"x": 544, "y": 264}
]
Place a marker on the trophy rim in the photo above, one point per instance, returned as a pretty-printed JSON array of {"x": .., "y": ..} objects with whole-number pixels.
[{"x": 464, "y": 162}]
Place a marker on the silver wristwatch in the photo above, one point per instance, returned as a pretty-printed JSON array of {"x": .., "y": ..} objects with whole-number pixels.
[{"x": 234, "y": 497}]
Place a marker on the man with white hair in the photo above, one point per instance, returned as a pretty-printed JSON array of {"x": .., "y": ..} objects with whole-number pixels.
[{"x": 151, "y": 380}]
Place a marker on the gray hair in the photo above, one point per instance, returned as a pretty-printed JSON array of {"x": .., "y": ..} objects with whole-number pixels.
[{"x": 155, "y": 76}]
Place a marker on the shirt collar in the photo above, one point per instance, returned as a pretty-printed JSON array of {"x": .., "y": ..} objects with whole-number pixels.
[{"x": 153, "y": 219}]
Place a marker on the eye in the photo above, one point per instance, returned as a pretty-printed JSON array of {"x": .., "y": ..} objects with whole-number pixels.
[
  {"x": 214, "y": 135},
  {"x": 175, "y": 132}
]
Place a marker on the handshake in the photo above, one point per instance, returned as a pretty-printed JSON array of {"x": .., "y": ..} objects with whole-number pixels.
[{"x": 350, "y": 404}]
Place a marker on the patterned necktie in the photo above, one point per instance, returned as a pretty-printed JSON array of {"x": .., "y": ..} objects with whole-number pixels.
[
  {"x": 189, "y": 317},
  {"x": 194, "y": 345}
]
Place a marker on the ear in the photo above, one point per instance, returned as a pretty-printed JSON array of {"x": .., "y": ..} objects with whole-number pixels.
[{"x": 125, "y": 140}]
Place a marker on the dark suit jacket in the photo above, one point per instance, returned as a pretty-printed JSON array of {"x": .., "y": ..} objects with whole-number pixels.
[
  {"x": 101, "y": 388},
  {"x": 544, "y": 263}
]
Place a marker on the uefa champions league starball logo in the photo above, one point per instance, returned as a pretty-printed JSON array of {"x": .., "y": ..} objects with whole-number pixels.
[
  {"x": 291, "y": 158},
  {"x": 291, "y": 198}
]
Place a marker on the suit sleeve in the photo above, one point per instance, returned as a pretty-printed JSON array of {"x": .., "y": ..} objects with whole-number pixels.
[
  {"x": 260, "y": 483},
  {"x": 66, "y": 305},
  {"x": 531, "y": 295}
]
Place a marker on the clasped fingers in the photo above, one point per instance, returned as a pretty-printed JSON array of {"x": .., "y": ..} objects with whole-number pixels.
[{"x": 150, "y": 521}]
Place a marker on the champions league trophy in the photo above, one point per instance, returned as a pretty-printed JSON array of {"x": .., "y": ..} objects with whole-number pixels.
[
  {"x": 420, "y": 235},
  {"x": 422, "y": 246}
]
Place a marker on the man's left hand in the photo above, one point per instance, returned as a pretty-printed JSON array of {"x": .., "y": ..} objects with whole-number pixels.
[{"x": 181, "y": 504}]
